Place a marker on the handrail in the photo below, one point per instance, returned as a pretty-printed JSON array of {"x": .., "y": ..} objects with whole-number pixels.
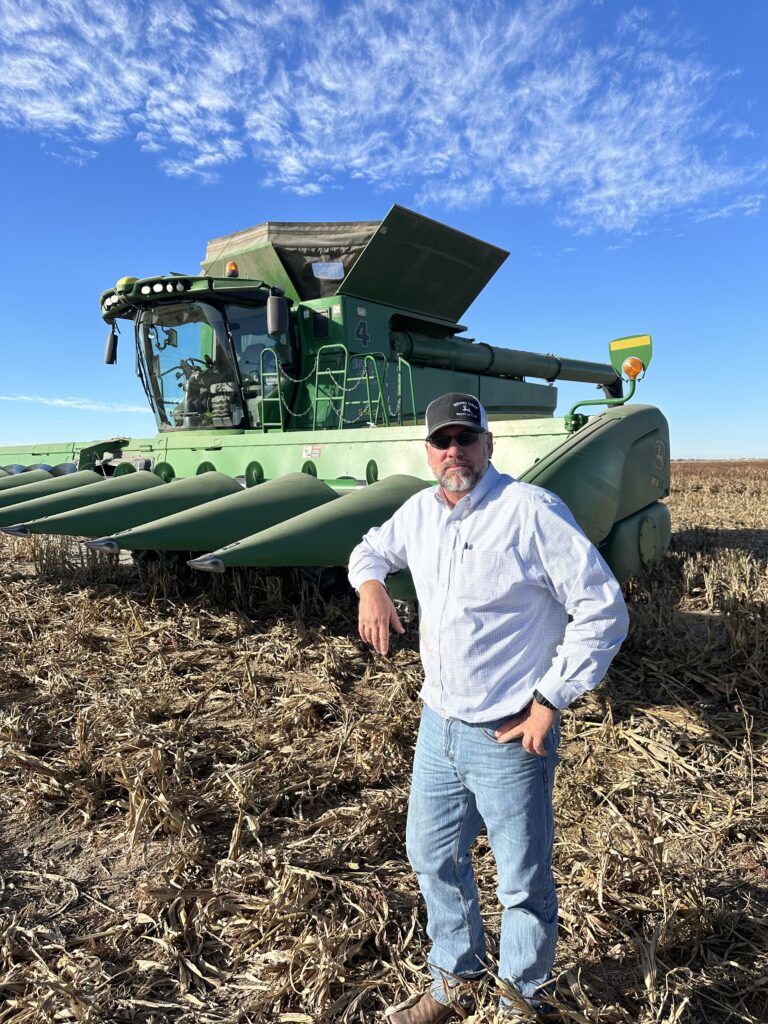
[
  {"x": 400, "y": 364},
  {"x": 380, "y": 404},
  {"x": 374, "y": 364},
  {"x": 347, "y": 385},
  {"x": 330, "y": 373}
]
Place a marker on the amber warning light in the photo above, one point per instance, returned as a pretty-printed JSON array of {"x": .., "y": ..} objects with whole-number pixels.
[
  {"x": 232, "y": 270},
  {"x": 633, "y": 367}
]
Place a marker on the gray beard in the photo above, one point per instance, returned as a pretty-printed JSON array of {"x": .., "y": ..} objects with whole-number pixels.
[{"x": 462, "y": 481}]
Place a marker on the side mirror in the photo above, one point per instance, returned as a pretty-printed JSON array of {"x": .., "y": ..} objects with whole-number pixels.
[
  {"x": 110, "y": 352},
  {"x": 277, "y": 316}
]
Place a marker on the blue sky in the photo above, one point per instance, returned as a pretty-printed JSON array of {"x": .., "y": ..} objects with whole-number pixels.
[{"x": 617, "y": 149}]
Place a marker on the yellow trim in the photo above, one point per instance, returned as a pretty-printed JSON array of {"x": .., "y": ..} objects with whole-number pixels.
[{"x": 636, "y": 342}]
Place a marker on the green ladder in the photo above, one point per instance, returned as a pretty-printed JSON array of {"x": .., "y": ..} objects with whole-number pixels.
[
  {"x": 333, "y": 385},
  {"x": 274, "y": 400}
]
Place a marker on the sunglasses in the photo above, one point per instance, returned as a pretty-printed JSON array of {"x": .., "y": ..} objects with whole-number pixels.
[{"x": 464, "y": 439}]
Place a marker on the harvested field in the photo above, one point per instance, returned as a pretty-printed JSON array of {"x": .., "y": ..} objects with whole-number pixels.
[{"x": 203, "y": 794}]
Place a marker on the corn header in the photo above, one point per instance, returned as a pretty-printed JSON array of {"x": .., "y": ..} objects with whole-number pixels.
[{"x": 289, "y": 381}]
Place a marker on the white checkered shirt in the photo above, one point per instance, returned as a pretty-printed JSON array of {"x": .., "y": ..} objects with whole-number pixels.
[{"x": 497, "y": 578}]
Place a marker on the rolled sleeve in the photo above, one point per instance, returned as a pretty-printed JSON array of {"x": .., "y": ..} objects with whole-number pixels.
[
  {"x": 382, "y": 550},
  {"x": 580, "y": 580}
]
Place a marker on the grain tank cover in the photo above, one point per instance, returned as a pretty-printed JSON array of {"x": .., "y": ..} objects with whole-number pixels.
[
  {"x": 284, "y": 253},
  {"x": 417, "y": 264},
  {"x": 406, "y": 260}
]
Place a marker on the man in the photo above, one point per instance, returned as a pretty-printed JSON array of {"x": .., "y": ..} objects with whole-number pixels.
[{"x": 519, "y": 617}]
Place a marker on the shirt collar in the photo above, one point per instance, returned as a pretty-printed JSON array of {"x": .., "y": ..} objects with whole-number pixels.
[{"x": 481, "y": 490}]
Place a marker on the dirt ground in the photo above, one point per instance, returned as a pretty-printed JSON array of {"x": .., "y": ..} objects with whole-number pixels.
[{"x": 203, "y": 791}]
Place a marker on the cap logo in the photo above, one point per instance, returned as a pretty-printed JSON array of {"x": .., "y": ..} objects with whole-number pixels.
[
  {"x": 457, "y": 410},
  {"x": 465, "y": 408}
]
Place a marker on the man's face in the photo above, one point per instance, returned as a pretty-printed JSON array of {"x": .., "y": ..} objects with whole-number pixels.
[{"x": 458, "y": 468}]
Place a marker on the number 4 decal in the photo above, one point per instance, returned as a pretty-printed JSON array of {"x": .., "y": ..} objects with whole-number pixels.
[{"x": 361, "y": 333}]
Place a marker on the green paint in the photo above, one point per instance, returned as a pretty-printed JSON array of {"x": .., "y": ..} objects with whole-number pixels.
[
  {"x": 53, "y": 510},
  {"x": 325, "y": 535},
  {"x": 638, "y": 345},
  {"x": 225, "y": 520},
  {"x": 51, "y": 486},
  {"x": 9, "y": 483},
  {"x": 154, "y": 500},
  {"x": 575, "y": 420},
  {"x": 323, "y": 424}
]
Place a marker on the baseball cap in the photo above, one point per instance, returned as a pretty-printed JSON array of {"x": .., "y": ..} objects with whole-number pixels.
[{"x": 456, "y": 410}]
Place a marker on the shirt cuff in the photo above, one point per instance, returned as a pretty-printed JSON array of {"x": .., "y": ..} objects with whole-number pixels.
[
  {"x": 357, "y": 579},
  {"x": 539, "y": 697}
]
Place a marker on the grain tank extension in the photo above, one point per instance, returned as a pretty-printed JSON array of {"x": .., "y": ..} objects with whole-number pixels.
[{"x": 289, "y": 381}]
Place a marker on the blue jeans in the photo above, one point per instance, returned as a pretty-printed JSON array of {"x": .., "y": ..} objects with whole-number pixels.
[{"x": 462, "y": 777}]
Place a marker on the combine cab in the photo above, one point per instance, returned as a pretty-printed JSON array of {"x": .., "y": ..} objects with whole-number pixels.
[{"x": 289, "y": 382}]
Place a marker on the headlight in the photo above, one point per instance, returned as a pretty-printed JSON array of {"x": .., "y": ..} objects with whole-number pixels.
[
  {"x": 157, "y": 287},
  {"x": 145, "y": 289}
]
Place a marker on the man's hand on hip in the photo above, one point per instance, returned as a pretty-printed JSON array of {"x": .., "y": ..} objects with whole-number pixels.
[
  {"x": 533, "y": 724},
  {"x": 377, "y": 613}
]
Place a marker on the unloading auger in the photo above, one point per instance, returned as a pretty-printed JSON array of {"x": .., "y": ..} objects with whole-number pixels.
[{"x": 289, "y": 382}]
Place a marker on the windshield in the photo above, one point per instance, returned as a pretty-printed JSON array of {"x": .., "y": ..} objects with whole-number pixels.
[{"x": 185, "y": 364}]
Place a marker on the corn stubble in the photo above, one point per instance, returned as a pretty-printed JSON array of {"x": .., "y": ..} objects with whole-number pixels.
[{"x": 203, "y": 794}]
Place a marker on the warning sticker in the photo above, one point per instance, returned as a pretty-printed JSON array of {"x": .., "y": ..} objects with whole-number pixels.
[{"x": 311, "y": 451}]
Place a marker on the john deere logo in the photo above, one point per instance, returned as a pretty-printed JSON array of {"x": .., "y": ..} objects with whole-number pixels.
[
  {"x": 465, "y": 409},
  {"x": 660, "y": 455}
]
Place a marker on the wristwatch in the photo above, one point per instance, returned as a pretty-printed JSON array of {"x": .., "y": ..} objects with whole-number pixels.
[{"x": 541, "y": 699}]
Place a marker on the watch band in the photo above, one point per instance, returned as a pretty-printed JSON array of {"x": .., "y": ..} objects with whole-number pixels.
[{"x": 541, "y": 699}]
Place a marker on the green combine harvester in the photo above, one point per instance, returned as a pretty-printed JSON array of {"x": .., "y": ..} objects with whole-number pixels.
[{"x": 289, "y": 382}]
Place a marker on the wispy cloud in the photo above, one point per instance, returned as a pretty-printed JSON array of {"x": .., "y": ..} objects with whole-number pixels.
[
  {"x": 73, "y": 155},
  {"x": 81, "y": 404},
  {"x": 747, "y": 207},
  {"x": 450, "y": 105}
]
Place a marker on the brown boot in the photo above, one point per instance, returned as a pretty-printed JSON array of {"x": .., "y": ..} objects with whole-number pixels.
[{"x": 425, "y": 1009}]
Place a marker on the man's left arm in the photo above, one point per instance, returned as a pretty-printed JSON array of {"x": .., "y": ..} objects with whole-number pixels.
[{"x": 578, "y": 577}]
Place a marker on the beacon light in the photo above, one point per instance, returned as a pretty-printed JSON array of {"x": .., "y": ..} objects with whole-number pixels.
[{"x": 632, "y": 367}]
